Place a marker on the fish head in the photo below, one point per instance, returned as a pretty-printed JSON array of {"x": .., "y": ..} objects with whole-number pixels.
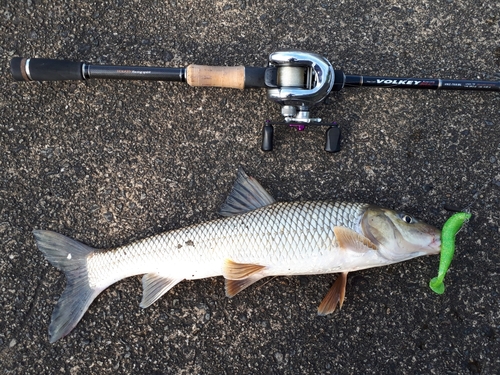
[{"x": 399, "y": 236}]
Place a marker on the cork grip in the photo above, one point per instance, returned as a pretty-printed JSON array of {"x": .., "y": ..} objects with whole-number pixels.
[{"x": 216, "y": 76}]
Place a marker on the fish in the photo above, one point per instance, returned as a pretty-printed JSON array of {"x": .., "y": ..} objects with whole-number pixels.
[{"x": 256, "y": 237}]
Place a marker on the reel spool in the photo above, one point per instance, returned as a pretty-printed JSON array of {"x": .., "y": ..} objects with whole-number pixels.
[{"x": 292, "y": 76}]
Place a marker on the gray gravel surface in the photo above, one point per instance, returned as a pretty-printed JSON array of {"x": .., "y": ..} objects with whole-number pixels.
[{"x": 109, "y": 162}]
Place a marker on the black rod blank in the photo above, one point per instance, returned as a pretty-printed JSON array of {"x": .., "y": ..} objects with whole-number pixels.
[
  {"x": 420, "y": 83},
  {"x": 60, "y": 70},
  {"x": 134, "y": 72}
]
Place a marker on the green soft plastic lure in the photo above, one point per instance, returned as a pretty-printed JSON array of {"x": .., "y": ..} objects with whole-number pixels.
[{"x": 450, "y": 229}]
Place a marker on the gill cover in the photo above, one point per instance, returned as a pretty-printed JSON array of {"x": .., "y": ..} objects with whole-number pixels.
[{"x": 399, "y": 236}]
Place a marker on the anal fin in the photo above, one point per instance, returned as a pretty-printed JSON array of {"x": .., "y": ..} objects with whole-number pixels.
[
  {"x": 334, "y": 296},
  {"x": 154, "y": 286},
  {"x": 351, "y": 240}
]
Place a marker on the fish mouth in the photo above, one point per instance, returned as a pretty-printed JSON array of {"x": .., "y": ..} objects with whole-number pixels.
[{"x": 435, "y": 245}]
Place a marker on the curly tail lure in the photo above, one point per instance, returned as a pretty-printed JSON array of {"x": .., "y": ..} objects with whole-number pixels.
[{"x": 450, "y": 230}]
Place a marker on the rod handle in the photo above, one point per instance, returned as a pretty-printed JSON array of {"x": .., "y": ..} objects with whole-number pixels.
[
  {"x": 216, "y": 76},
  {"x": 24, "y": 69}
]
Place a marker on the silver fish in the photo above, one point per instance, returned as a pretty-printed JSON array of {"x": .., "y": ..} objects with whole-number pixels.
[{"x": 259, "y": 237}]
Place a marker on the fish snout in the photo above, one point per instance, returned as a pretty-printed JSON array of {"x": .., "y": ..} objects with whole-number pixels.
[{"x": 435, "y": 244}]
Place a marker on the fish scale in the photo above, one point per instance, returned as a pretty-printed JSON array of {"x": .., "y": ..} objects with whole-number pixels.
[{"x": 282, "y": 232}]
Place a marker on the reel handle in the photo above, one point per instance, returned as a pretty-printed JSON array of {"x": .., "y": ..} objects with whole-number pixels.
[{"x": 332, "y": 135}]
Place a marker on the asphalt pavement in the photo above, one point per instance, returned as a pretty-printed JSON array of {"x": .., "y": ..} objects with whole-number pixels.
[{"x": 110, "y": 162}]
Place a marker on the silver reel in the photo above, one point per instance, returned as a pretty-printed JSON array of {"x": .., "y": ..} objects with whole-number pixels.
[{"x": 297, "y": 81}]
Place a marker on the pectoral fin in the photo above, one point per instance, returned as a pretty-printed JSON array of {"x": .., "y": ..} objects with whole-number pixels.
[
  {"x": 240, "y": 276},
  {"x": 334, "y": 296},
  {"x": 154, "y": 286},
  {"x": 348, "y": 239}
]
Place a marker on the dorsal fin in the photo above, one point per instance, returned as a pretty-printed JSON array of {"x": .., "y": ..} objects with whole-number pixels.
[{"x": 247, "y": 195}]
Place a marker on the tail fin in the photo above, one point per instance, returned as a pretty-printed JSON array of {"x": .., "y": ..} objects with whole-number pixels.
[{"x": 69, "y": 256}]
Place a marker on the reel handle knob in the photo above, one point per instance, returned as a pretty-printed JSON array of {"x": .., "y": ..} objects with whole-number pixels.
[
  {"x": 332, "y": 143},
  {"x": 267, "y": 137}
]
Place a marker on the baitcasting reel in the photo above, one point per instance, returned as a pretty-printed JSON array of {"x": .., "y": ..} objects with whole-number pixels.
[{"x": 297, "y": 81}]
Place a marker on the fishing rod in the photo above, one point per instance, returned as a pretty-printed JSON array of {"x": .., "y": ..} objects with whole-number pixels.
[{"x": 296, "y": 80}]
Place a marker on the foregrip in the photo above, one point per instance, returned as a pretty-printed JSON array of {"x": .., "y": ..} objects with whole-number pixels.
[{"x": 236, "y": 77}]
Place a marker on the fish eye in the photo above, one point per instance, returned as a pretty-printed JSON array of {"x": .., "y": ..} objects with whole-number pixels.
[{"x": 407, "y": 218}]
